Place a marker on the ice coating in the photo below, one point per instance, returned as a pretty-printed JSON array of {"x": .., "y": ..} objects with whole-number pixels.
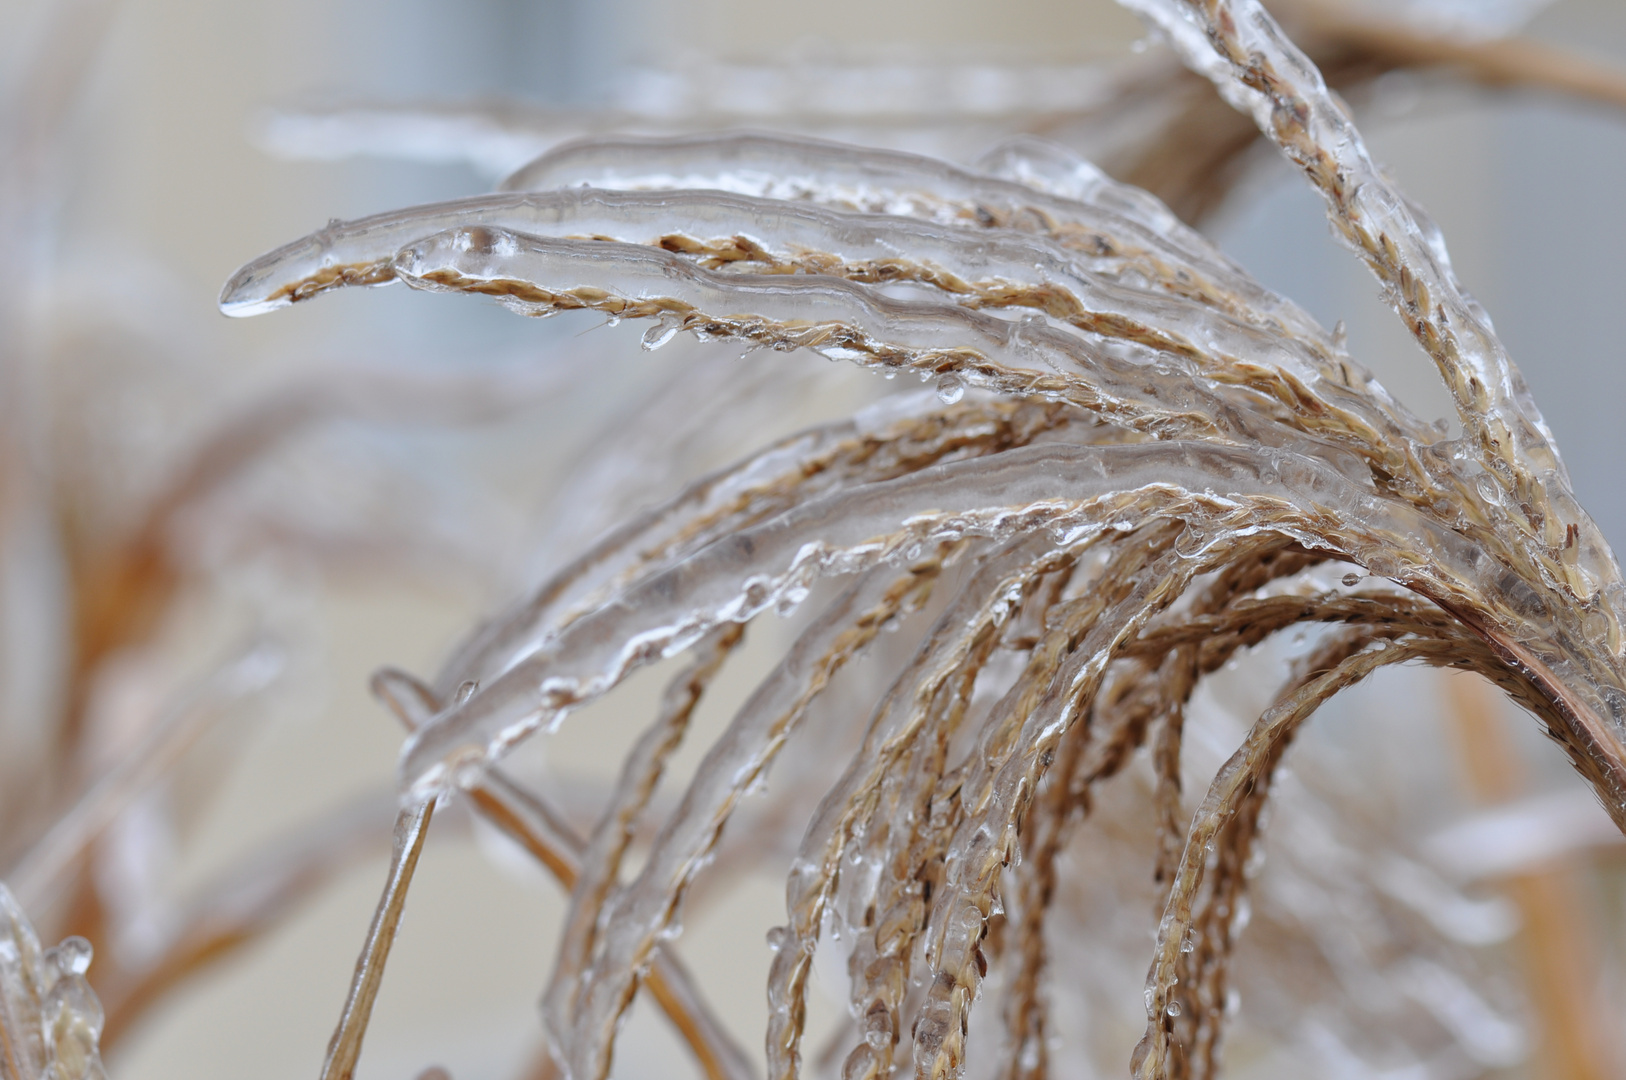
[
  {"x": 764, "y": 484},
  {"x": 536, "y": 826},
  {"x": 1061, "y": 487},
  {"x": 601, "y": 861},
  {"x": 50, "y": 1020},
  {"x": 802, "y": 234},
  {"x": 885, "y": 950},
  {"x": 1239, "y": 47},
  {"x": 643, "y": 909},
  {"x": 896, "y": 730},
  {"x": 1229, "y": 792},
  {"x": 892, "y": 182},
  {"x": 535, "y": 275},
  {"x": 1134, "y": 463},
  {"x": 795, "y": 168},
  {"x": 843, "y": 321},
  {"x": 993, "y": 270},
  {"x": 1054, "y": 169},
  {"x": 1357, "y": 414},
  {"x": 981, "y": 845}
]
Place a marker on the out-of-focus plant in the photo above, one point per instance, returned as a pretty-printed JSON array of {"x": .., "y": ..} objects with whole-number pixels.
[
  {"x": 1145, "y": 120},
  {"x": 1135, "y": 465}
]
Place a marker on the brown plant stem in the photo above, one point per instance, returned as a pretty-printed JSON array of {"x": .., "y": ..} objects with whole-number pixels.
[
  {"x": 1199, "y": 154},
  {"x": 411, "y": 827},
  {"x": 1503, "y": 62}
]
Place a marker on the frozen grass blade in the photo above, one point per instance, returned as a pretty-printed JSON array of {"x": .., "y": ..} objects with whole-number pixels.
[
  {"x": 411, "y": 829},
  {"x": 539, "y": 829},
  {"x": 1156, "y": 460}
]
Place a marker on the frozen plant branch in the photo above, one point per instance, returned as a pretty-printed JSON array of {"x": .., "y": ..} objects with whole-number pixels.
[{"x": 1137, "y": 464}]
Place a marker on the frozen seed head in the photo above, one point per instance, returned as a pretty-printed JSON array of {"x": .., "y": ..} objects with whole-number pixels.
[{"x": 1188, "y": 485}]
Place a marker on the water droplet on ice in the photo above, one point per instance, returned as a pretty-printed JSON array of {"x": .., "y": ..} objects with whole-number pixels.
[
  {"x": 1340, "y": 334},
  {"x": 1173, "y": 1008},
  {"x": 72, "y": 955},
  {"x": 1352, "y": 580},
  {"x": 950, "y": 389},
  {"x": 467, "y": 690},
  {"x": 657, "y": 335},
  {"x": 1188, "y": 945}
]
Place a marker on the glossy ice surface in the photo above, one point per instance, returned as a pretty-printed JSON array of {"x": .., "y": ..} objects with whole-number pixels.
[{"x": 1130, "y": 439}]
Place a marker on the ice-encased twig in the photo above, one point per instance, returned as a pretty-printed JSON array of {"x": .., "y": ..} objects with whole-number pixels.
[
  {"x": 616, "y": 307},
  {"x": 894, "y": 438},
  {"x": 359, "y": 252},
  {"x": 959, "y": 967},
  {"x": 1055, "y": 487},
  {"x": 1243, "y": 782},
  {"x": 1027, "y": 1022},
  {"x": 1100, "y": 292},
  {"x": 1094, "y": 750},
  {"x": 1586, "y": 695},
  {"x": 901, "y": 845},
  {"x": 1249, "y": 364},
  {"x": 344, "y": 1050},
  {"x": 50, "y": 1020},
  {"x": 1002, "y": 776},
  {"x": 891, "y": 182},
  {"x": 1242, "y": 623},
  {"x": 644, "y": 908},
  {"x": 1197, "y": 1005},
  {"x": 1131, "y": 317},
  {"x": 914, "y": 852},
  {"x": 345, "y": 254},
  {"x": 840, "y": 319},
  {"x": 1180, "y": 672},
  {"x": 538, "y": 828},
  {"x": 601, "y": 861},
  {"x": 895, "y": 731},
  {"x": 1243, "y": 51},
  {"x": 1246, "y": 769}
]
